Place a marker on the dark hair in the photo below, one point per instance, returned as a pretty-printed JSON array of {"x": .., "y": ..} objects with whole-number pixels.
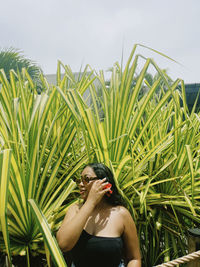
[{"x": 102, "y": 171}]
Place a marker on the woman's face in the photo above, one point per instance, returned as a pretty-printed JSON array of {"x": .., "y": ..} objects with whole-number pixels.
[{"x": 88, "y": 176}]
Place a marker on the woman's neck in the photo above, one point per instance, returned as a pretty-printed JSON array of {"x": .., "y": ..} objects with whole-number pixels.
[{"x": 102, "y": 205}]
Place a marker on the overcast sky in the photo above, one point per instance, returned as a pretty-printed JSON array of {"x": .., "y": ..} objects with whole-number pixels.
[{"x": 97, "y": 32}]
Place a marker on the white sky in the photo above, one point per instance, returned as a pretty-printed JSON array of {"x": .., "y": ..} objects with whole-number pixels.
[{"x": 95, "y": 32}]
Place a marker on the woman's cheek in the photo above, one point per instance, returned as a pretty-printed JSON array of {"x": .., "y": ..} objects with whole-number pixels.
[{"x": 88, "y": 186}]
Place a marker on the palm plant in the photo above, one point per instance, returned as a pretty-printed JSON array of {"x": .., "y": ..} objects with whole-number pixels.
[
  {"x": 38, "y": 139},
  {"x": 152, "y": 147},
  {"x": 151, "y": 143},
  {"x": 13, "y": 59}
]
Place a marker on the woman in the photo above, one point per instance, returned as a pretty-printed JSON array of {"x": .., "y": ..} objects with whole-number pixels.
[{"x": 100, "y": 232}]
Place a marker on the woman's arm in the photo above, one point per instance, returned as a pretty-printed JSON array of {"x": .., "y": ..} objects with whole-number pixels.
[
  {"x": 72, "y": 225},
  {"x": 131, "y": 242},
  {"x": 76, "y": 217}
]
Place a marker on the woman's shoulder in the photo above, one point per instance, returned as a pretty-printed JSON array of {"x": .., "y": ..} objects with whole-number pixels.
[
  {"x": 120, "y": 208},
  {"x": 122, "y": 211}
]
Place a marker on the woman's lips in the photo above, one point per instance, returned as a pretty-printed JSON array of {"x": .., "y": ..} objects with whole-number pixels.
[{"x": 83, "y": 191}]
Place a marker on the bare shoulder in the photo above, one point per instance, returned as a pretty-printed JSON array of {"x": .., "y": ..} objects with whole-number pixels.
[
  {"x": 125, "y": 215},
  {"x": 123, "y": 211}
]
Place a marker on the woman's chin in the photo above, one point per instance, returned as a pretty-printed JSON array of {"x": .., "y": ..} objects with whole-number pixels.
[{"x": 83, "y": 195}]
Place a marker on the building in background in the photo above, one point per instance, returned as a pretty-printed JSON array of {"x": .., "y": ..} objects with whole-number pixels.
[{"x": 191, "y": 90}]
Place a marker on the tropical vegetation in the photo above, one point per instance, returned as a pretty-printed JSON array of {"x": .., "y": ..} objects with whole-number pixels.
[
  {"x": 150, "y": 141},
  {"x": 11, "y": 58}
]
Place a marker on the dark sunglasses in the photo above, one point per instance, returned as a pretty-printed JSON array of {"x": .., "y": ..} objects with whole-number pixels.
[{"x": 86, "y": 179}]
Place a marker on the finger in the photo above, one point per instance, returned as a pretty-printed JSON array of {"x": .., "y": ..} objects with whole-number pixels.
[
  {"x": 100, "y": 182},
  {"x": 107, "y": 190},
  {"x": 106, "y": 184},
  {"x": 103, "y": 180}
]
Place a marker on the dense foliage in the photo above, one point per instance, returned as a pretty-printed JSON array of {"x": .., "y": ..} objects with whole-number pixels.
[
  {"x": 14, "y": 59},
  {"x": 150, "y": 142}
]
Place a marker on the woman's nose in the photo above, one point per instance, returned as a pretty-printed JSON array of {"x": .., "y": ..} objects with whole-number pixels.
[{"x": 81, "y": 184}]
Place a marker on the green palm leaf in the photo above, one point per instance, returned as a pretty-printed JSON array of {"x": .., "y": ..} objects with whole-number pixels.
[
  {"x": 5, "y": 157},
  {"x": 48, "y": 237}
]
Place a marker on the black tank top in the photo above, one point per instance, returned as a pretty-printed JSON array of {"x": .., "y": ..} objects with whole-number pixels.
[{"x": 97, "y": 251}]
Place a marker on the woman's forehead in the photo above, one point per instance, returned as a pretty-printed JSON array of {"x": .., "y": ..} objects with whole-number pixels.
[{"x": 87, "y": 171}]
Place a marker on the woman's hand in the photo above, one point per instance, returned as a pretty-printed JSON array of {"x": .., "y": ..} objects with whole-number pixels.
[{"x": 96, "y": 191}]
